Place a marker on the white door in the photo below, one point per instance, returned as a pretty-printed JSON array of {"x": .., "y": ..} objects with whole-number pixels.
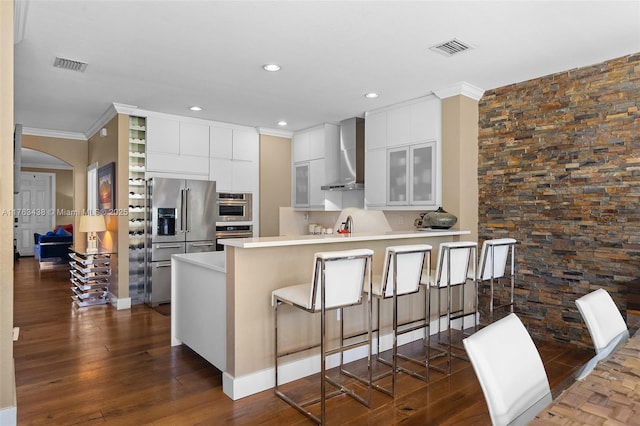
[{"x": 34, "y": 209}]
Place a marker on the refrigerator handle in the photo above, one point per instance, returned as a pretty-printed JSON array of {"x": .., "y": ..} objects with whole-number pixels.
[
  {"x": 186, "y": 210},
  {"x": 181, "y": 209}
]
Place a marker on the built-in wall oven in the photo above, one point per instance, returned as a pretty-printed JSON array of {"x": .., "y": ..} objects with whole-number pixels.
[
  {"x": 234, "y": 207},
  {"x": 232, "y": 231}
]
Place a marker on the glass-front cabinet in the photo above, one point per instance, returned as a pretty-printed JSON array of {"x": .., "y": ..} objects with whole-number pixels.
[
  {"x": 422, "y": 174},
  {"x": 301, "y": 182},
  {"x": 411, "y": 175}
]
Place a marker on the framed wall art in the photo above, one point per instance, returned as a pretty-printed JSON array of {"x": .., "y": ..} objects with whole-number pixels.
[{"x": 107, "y": 188}]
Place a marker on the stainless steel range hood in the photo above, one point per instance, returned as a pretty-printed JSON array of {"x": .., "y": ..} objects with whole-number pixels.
[{"x": 351, "y": 157}]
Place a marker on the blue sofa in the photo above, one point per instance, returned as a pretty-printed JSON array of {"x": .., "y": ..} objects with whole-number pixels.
[{"x": 53, "y": 246}]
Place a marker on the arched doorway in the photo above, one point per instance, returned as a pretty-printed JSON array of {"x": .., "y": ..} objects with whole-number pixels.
[{"x": 45, "y": 200}]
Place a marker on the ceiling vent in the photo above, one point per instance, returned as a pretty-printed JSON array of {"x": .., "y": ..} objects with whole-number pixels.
[
  {"x": 70, "y": 64},
  {"x": 451, "y": 47}
]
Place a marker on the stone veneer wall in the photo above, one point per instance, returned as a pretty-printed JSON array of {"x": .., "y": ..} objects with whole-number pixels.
[{"x": 559, "y": 170}]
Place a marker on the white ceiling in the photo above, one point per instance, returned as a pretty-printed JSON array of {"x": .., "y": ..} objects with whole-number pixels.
[{"x": 168, "y": 55}]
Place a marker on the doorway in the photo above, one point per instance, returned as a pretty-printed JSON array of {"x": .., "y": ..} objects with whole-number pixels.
[{"x": 34, "y": 209}]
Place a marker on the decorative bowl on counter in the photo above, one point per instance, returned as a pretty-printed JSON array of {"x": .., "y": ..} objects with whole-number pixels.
[{"x": 439, "y": 219}]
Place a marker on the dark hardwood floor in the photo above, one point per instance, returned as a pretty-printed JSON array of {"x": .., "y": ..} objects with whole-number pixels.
[{"x": 97, "y": 365}]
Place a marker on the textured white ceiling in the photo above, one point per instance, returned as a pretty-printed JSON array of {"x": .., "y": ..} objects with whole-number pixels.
[{"x": 168, "y": 55}]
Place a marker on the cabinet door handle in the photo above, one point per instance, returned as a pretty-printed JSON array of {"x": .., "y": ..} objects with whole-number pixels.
[
  {"x": 162, "y": 264},
  {"x": 202, "y": 244},
  {"x": 169, "y": 246}
]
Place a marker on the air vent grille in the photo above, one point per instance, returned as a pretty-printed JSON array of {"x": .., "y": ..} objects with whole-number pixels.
[
  {"x": 70, "y": 64},
  {"x": 451, "y": 47}
]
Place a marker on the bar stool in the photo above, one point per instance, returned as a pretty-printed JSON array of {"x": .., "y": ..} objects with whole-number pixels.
[
  {"x": 402, "y": 270},
  {"x": 454, "y": 259},
  {"x": 493, "y": 267},
  {"x": 338, "y": 281}
]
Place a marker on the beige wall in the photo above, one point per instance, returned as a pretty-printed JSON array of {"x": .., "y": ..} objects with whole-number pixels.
[
  {"x": 7, "y": 371},
  {"x": 275, "y": 182},
  {"x": 460, "y": 161},
  {"x": 64, "y": 191},
  {"x": 104, "y": 150}
]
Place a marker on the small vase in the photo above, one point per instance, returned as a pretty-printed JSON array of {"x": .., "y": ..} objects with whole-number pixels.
[{"x": 440, "y": 219}]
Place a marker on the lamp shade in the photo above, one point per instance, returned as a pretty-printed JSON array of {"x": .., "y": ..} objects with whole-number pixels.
[{"x": 92, "y": 224}]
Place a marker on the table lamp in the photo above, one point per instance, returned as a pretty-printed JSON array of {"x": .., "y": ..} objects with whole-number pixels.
[{"x": 91, "y": 225}]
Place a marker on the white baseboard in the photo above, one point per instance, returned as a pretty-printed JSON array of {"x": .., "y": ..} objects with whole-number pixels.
[
  {"x": 239, "y": 387},
  {"x": 123, "y": 303},
  {"x": 9, "y": 416}
]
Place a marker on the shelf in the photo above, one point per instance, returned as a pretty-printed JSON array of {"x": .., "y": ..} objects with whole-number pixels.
[
  {"x": 137, "y": 196},
  {"x": 90, "y": 276}
]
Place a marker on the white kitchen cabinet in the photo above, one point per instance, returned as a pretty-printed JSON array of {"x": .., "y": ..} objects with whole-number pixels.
[
  {"x": 175, "y": 147},
  {"x": 425, "y": 118},
  {"x": 221, "y": 142},
  {"x": 163, "y": 135},
  {"x": 245, "y": 145},
  {"x": 375, "y": 188},
  {"x": 398, "y": 126},
  {"x": 314, "y": 157},
  {"x": 376, "y": 131},
  {"x": 300, "y": 147},
  {"x": 397, "y": 176},
  {"x": 301, "y": 184},
  {"x": 177, "y": 164},
  {"x": 234, "y": 161},
  {"x": 194, "y": 139},
  {"x": 318, "y": 142},
  {"x": 402, "y": 159},
  {"x": 308, "y": 178},
  {"x": 244, "y": 176},
  {"x": 174, "y": 137},
  {"x": 411, "y": 175},
  {"x": 317, "y": 178},
  {"x": 233, "y": 144},
  {"x": 422, "y": 175},
  {"x": 220, "y": 172}
]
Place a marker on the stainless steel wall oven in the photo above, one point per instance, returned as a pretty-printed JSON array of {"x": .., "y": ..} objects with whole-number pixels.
[
  {"x": 234, "y": 207},
  {"x": 232, "y": 231}
]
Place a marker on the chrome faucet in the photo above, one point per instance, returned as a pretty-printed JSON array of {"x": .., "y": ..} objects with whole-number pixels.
[{"x": 348, "y": 224}]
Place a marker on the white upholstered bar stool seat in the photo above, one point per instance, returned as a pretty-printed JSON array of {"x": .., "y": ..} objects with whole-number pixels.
[
  {"x": 402, "y": 269},
  {"x": 605, "y": 323},
  {"x": 510, "y": 371},
  {"x": 492, "y": 268},
  {"x": 454, "y": 260},
  {"x": 338, "y": 281}
]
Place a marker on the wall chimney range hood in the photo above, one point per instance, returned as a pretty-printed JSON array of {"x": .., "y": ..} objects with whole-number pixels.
[{"x": 350, "y": 157}]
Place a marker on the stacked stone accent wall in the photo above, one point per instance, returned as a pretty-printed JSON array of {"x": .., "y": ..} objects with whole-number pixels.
[{"x": 559, "y": 170}]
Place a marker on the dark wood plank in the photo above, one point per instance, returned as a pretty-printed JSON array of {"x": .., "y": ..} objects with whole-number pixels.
[{"x": 97, "y": 365}]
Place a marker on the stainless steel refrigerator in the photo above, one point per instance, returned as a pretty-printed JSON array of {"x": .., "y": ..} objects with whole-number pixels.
[{"x": 181, "y": 218}]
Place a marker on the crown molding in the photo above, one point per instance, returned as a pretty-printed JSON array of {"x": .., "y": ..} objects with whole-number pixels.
[
  {"x": 460, "y": 88},
  {"x": 275, "y": 132},
  {"x": 32, "y": 131},
  {"x": 113, "y": 110},
  {"x": 20, "y": 9}
]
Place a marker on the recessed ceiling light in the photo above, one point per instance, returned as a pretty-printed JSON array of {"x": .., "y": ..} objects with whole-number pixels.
[
  {"x": 371, "y": 95},
  {"x": 271, "y": 67},
  {"x": 195, "y": 108},
  {"x": 282, "y": 123}
]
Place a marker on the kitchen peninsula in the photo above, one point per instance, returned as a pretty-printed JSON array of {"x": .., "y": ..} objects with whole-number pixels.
[{"x": 221, "y": 308}]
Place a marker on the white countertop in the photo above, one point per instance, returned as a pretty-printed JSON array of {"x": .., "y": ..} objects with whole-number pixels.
[
  {"x": 214, "y": 260},
  {"x": 296, "y": 240}
]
